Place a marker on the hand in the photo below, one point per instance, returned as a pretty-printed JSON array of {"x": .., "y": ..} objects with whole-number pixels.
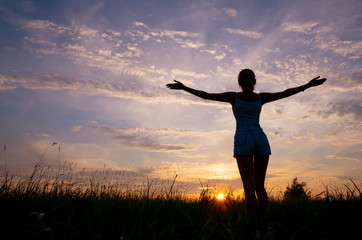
[
  {"x": 177, "y": 85},
  {"x": 316, "y": 81}
]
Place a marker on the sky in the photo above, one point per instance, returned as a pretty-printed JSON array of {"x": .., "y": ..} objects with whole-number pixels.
[{"x": 90, "y": 76}]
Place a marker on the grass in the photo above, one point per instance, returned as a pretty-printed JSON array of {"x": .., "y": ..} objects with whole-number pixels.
[{"x": 58, "y": 205}]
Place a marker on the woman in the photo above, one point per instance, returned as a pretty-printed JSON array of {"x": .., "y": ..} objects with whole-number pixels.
[{"x": 251, "y": 146}]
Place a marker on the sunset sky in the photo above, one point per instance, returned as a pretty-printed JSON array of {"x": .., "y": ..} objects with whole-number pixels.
[{"x": 91, "y": 76}]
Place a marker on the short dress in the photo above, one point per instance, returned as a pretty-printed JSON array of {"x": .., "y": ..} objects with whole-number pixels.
[{"x": 250, "y": 138}]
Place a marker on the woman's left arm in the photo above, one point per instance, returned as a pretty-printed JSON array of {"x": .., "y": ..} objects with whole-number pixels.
[{"x": 270, "y": 97}]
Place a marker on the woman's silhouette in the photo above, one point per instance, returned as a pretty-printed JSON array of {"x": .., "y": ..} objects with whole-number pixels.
[{"x": 251, "y": 146}]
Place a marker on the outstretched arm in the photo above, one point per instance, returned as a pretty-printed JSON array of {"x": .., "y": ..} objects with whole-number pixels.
[
  {"x": 221, "y": 97},
  {"x": 269, "y": 97}
]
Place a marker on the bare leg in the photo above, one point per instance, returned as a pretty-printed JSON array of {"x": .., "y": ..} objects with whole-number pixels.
[
  {"x": 260, "y": 166},
  {"x": 246, "y": 169}
]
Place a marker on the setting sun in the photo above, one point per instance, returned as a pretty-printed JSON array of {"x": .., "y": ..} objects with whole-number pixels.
[{"x": 220, "y": 197}]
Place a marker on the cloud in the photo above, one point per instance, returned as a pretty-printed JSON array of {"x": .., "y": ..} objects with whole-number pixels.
[
  {"x": 86, "y": 31},
  {"x": 343, "y": 158},
  {"x": 134, "y": 90},
  {"x": 220, "y": 57},
  {"x": 182, "y": 38},
  {"x": 76, "y": 128},
  {"x": 324, "y": 37},
  {"x": 356, "y": 78},
  {"x": 179, "y": 72},
  {"x": 250, "y": 34},
  {"x": 55, "y": 82},
  {"x": 109, "y": 50},
  {"x": 47, "y": 26},
  {"x": 352, "y": 49},
  {"x": 144, "y": 139},
  {"x": 347, "y": 82},
  {"x": 229, "y": 11},
  {"x": 352, "y": 107},
  {"x": 104, "y": 49},
  {"x": 305, "y": 28},
  {"x": 174, "y": 34},
  {"x": 292, "y": 68},
  {"x": 267, "y": 50}
]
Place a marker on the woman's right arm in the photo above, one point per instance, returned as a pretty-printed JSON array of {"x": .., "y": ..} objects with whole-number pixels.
[
  {"x": 221, "y": 97},
  {"x": 270, "y": 97}
]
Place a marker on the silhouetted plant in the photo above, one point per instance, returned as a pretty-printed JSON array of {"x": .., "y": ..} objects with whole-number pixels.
[{"x": 297, "y": 191}]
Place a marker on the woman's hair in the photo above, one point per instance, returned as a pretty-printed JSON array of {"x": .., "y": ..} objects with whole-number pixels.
[{"x": 247, "y": 80}]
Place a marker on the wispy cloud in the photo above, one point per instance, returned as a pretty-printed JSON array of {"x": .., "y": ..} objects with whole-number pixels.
[
  {"x": 182, "y": 38},
  {"x": 299, "y": 27},
  {"x": 350, "y": 107},
  {"x": 245, "y": 33},
  {"x": 347, "y": 82},
  {"x": 47, "y": 26},
  {"x": 76, "y": 128},
  {"x": 179, "y": 72},
  {"x": 119, "y": 53},
  {"x": 343, "y": 158},
  {"x": 136, "y": 91},
  {"x": 231, "y": 12},
  {"x": 145, "y": 139},
  {"x": 323, "y": 37}
]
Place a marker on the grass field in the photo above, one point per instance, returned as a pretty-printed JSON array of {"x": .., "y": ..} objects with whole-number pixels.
[{"x": 40, "y": 207}]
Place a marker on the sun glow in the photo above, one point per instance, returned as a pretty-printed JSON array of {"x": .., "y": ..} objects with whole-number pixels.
[{"x": 220, "y": 197}]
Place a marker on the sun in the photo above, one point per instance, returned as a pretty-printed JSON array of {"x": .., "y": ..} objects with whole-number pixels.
[{"x": 220, "y": 197}]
